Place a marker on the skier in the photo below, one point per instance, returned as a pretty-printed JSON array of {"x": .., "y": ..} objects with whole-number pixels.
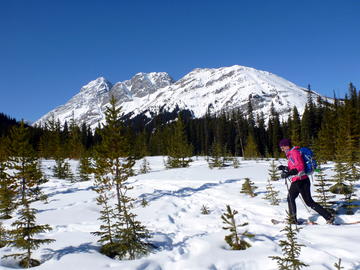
[{"x": 300, "y": 182}]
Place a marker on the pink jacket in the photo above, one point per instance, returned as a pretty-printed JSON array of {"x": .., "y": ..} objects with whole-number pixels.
[{"x": 295, "y": 161}]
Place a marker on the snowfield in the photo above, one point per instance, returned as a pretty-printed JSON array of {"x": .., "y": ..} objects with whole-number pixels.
[{"x": 185, "y": 238}]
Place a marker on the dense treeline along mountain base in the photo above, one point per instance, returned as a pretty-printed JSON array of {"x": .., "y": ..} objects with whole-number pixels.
[{"x": 331, "y": 129}]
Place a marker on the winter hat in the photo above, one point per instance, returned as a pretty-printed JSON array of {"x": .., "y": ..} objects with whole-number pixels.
[{"x": 285, "y": 142}]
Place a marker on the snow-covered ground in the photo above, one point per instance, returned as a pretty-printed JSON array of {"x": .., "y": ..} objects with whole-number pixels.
[{"x": 186, "y": 239}]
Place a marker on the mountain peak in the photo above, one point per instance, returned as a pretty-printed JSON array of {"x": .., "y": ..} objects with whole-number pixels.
[{"x": 100, "y": 85}]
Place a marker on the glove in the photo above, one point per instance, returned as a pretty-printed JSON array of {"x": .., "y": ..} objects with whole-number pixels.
[
  {"x": 293, "y": 172},
  {"x": 285, "y": 174},
  {"x": 282, "y": 168}
]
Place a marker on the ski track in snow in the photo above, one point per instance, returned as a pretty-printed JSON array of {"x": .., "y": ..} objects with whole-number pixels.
[{"x": 186, "y": 239}]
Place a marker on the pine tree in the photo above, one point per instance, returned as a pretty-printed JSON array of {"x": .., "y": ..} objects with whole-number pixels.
[
  {"x": 290, "y": 248},
  {"x": 28, "y": 176},
  {"x": 322, "y": 185},
  {"x": 273, "y": 172},
  {"x": 179, "y": 150},
  {"x": 122, "y": 236},
  {"x": 235, "y": 239},
  {"x": 338, "y": 265},
  {"x": 62, "y": 168},
  {"x": 7, "y": 191},
  {"x": 205, "y": 210},
  {"x": 248, "y": 188},
  {"x": 145, "y": 166},
  {"x": 295, "y": 127},
  {"x": 130, "y": 233},
  {"x": 50, "y": 141},
  {"x": 217, "y": 155},
  {"x": 271, "y": 194},
  {"x": 22, "y": 237},
  {"x": 3, "y": 236},
  {"x": 236, "y": 162},
  {"x": 251, "y": 150},
  {"x": 325, "y": 142},
  {"x": 107, "y": 232},
  {"x": 75, "y": 146},
  {"x": 24, "y": 163},
  {"x": 85, "y": 167},
  {"x": 144, "y": 202}
]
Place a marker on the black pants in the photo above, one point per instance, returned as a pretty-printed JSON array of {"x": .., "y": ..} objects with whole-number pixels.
[{"x": 303, "y": 187}]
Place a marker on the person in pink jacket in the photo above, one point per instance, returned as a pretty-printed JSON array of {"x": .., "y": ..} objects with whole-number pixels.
[{"x": 300, "y": 182}]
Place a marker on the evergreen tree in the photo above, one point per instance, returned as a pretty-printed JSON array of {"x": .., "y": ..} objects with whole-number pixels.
[
  {"x": 62, "y": 169},
  {"x": 322, "y": 185},
  {"x": 121, "y": 234},
  {"x": 271, "y": 193},
  {"x": 205, "y": 210},
  {"x": 3, "y": 236},
  {"x": 50, "y": 141},
  {"x": 107, "y": 232},
  {"x": 144, "y": 202},
  {"x": 219, "y": 155},
  {"x": 251, "y": 150},
  {"x": 216, "y": 160},
  {"x": 24, "y": 163},
  {"x": 23, "y": 236},
  {"x": 179, "y": 150},
  {"x": 27, "y": 174},
  {"x": 236, "y": 162},
  {"x": 338, "y": 265},
  {"x": 274, "y": 131},
  {"x": 248, "y": 188},
  {"x": 290, "y": 248},
  {"x": 75, "y": 146},
  {"x": 7, "y": 191},
  {"x": 295, "y": 127},
  {"x": 235, "y": 239},
  {"x": 325, "y": 143},
  {"x": 141, "y": 148},
  {"x": 273, "y": 172},
  {"x": 85, "y": 167},
  {"x": 145, "y": 166}
]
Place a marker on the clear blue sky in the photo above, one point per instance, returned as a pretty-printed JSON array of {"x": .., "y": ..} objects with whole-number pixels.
[{"x": 49, "y": 49}]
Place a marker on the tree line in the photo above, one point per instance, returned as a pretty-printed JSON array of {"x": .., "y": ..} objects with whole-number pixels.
[{"x": 330, "y": 127}]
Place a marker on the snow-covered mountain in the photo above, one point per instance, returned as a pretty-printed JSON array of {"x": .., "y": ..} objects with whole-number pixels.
[{"x": 199, "y": 91}]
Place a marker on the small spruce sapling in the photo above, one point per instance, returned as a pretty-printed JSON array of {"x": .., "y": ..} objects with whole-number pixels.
[
  {"x": 271, "y": 194},
  {"x": 235, "y": 239},
  {"x": 290, "y": 248},
  {"x": 322, "y": 185},
  {"x": 144, "y": 202},
  {"x": 62, "y": 169},
  {"x": 248, "y": 187},
  {"x": 273, "y": 172},
  {"x": 236, "y": 162},
  {"x": 205, "y": 210},
  {"x": 85, "y": 168},
  {"x": 338, "y": 265},
  {"x": 144, "y": 167}
]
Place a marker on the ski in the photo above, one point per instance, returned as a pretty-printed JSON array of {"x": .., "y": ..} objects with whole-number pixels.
[
  {"x": 308, "y": 222},
  {"x": 348, "y": 223},
  {"x": 300, "y": 222}
]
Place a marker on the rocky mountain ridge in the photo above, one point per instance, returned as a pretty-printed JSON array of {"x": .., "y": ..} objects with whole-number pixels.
[{"x": 200, "y": 91}]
